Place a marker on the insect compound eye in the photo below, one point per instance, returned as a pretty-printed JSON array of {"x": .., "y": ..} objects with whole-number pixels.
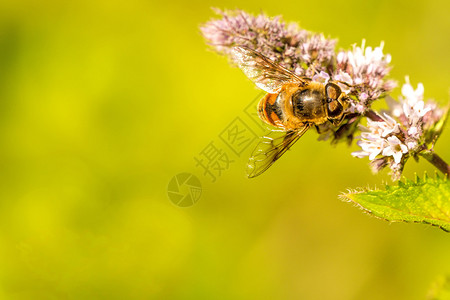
[
  {"x": 334, "y": 109},
  {"x": 333, "y": 91}
]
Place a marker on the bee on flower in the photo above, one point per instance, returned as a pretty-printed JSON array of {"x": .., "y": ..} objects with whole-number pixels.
[{"x": 410, "y": 127}]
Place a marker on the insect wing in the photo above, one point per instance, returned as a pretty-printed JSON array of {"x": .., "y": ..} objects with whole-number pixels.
[
  {"x": 266, "y": 74},
  {"x": 270, "y": 148}
]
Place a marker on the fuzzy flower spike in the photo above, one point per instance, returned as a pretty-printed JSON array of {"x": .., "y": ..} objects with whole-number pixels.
[{"x": 284, "y": 43}]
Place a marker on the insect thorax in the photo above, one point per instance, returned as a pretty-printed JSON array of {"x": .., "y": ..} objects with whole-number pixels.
[{"x": 309, "y": 104}]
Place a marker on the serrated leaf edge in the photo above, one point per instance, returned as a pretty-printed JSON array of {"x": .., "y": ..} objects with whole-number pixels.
[{"x": 345, "y": 197}]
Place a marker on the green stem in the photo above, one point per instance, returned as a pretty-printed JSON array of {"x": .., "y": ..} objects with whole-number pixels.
[{"x": 436, "y": 161}]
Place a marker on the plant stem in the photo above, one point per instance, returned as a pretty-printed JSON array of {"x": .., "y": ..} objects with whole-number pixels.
[
  {"x": 436, "y": 161},
  {"x": 373, "y": 116}
]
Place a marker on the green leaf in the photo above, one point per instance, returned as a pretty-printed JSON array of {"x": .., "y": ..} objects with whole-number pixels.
[
  {"x": 440, "y": 289},
  {"x": 425, "y": 201}
]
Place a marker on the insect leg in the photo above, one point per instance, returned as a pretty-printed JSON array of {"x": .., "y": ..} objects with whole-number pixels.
[{"x": 322, "y": 128}]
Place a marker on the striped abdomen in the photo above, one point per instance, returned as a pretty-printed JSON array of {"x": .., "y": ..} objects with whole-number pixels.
[{"x": 271, "y": 110}]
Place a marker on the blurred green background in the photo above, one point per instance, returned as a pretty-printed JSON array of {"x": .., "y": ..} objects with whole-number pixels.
[{"x": 103, "y": 102}]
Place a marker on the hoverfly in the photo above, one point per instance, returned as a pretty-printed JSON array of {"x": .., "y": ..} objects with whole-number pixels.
[{"x": 292, "y": 104}]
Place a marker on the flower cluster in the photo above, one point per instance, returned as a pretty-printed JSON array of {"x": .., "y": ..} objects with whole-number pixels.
[
  {"x": 286, "y": 44},
  {"x": 390, "y": 142},
  {"x": 364, "y": 69},
  {"x": 381, "y": 138}
]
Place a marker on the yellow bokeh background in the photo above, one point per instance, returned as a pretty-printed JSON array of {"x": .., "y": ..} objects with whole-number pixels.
[{"x": 103, "y": 102}]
